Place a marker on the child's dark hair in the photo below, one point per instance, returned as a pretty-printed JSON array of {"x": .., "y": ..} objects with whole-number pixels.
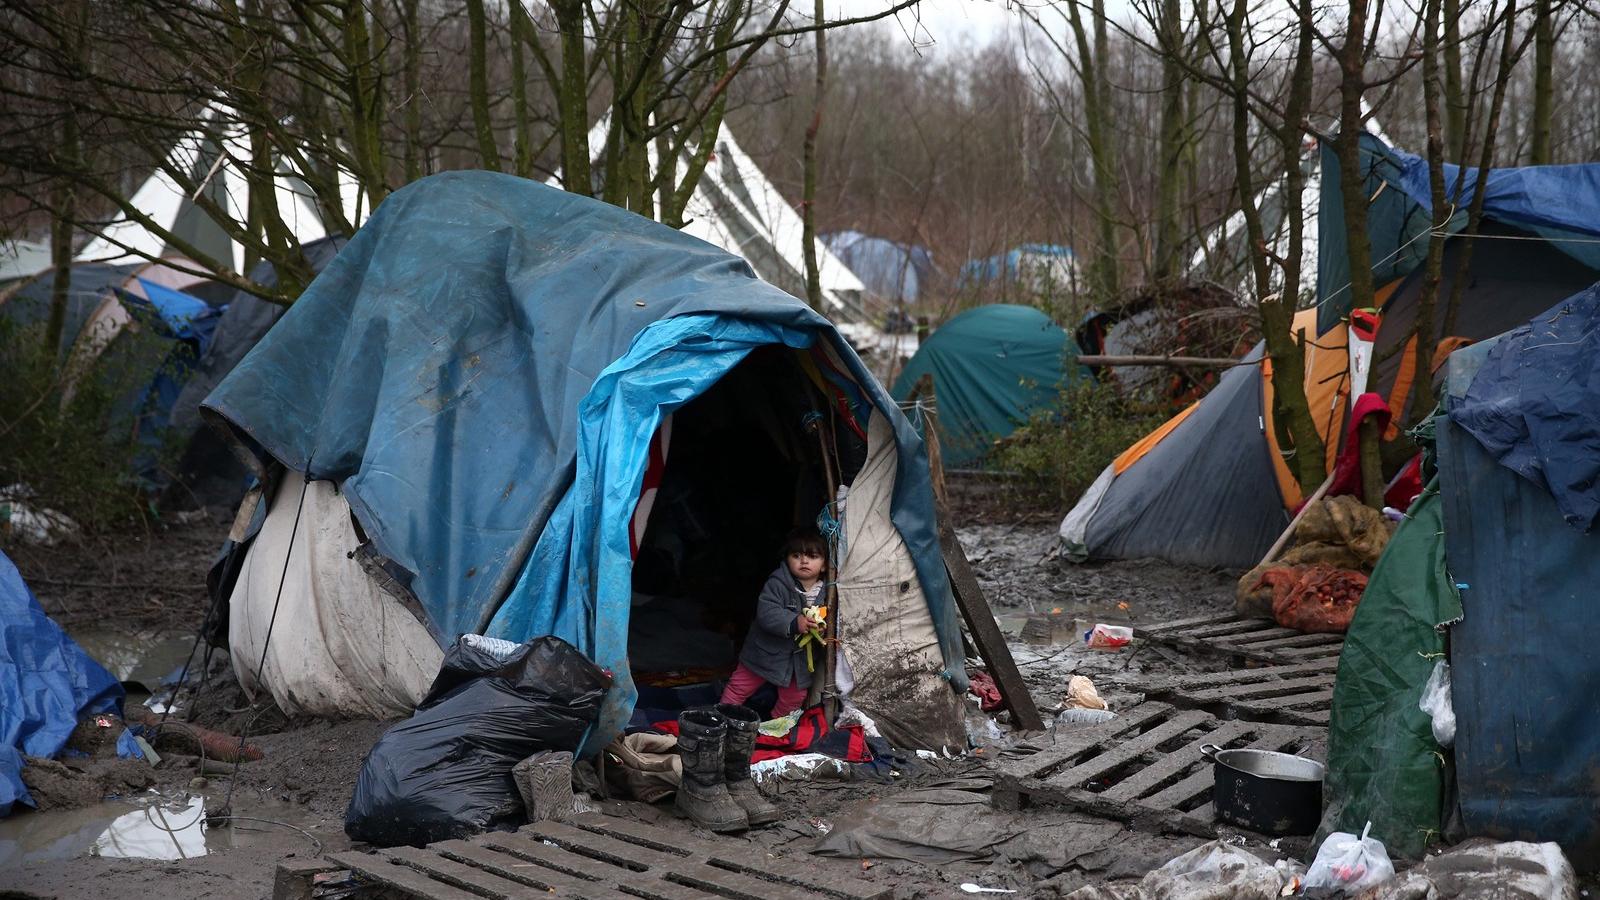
[{"x": 805, "y": 539}]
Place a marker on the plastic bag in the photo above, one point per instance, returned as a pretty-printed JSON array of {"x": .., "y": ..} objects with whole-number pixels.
[
  {"x": 1214, "y": 871},
  {"x": 446, "y": 772},
  {"x": 1346, "y": 862},
  {"x": 1437, "y": 704},
  {"x": 1108, "y": 637}
]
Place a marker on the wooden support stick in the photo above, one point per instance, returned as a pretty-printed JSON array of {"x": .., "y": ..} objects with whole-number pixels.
[
  {"x": 1283, "y": 539},
  {"x": 991, "y": 643},
  {"x": 1174, "y": 361}
]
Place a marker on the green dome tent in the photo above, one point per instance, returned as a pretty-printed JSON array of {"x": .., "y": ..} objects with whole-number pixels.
[{"x": 992, "y": 368}]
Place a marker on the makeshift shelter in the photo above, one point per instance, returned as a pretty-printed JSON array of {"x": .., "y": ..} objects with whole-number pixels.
[
  {"x": 993, "y": 367},
  {"x": 583, "y": 424},
  {"x": 890, "y": 269},
  {"x": 1495, "y": 568},
  {"x": 1179, "y": 493},
  {"x": 1031, "y": 267}
]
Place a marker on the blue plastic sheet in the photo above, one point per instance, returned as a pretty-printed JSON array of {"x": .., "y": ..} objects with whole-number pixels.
[
  {"x": 1532, "y": 405},
  {"x": 448, "y": 366},
  {"x": 46, "y": 683}
]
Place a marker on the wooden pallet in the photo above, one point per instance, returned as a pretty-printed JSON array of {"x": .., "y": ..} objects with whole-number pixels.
[
  {"x": 1298, "y": 694},
  {"x": 1251, "y": 639},
  {"x": 1144, "y": 767},
  {"x": 592, "y": 856}
]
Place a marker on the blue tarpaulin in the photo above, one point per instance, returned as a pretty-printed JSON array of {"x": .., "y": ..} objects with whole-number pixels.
[
  {"x": 1558, "y": 203},
  {"x": 46, "y": 683},
  {"x": 1533, "y": 405},
  {"x": 480, "y": 367}
]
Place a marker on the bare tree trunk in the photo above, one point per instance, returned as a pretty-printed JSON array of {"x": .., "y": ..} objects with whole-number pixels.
[
  {"x": 365, "y": 115},
  {"x": 1544, "y": 88},
  {"x": 808, "y": 205},
  {"x": 1352, "y": 84},
  {"x": 61, "y": 250},
  {"x": 1455, "y": 97},
  {"x": 1096, "y": 94},
  {"x": 411, "y": 66},
  {"x": 478, "y": 85},
  {"x": 1174, "y": 139},
  {"x": 1427, "y": 299},
  {"x": 522, "y": 151},
  {"x": 572, "y": 101}
]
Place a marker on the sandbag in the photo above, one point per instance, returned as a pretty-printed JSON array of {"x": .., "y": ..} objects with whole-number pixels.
[
  {"x": 1315, "y": 599},
  {"x": 1346, "y": 522},
  {"x": 446, "y": 772}
]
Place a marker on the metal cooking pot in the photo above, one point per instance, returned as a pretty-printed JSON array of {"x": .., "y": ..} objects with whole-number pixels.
[{"x": 1273, "y": 793}]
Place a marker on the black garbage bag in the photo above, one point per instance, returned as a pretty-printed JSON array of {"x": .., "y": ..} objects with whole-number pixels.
[{"x": 446, "y": 772}]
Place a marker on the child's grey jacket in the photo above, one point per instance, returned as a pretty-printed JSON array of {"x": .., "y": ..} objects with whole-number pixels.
[{"x": 770, "y": 649}]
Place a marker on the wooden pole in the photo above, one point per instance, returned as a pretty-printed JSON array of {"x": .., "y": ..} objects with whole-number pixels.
[
  {"x": 986, "y": 635},
  {"x": 1371, "y": 463},
  {"x": 1283, "y": 539},
  {"x": 1177, "y": 362}
]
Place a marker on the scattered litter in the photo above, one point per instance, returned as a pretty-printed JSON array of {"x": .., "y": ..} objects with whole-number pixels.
[
  {"x": 1073, "y": 718},
  {"x": 1437, "y": 704},
  {"x": 29, "y": 524},
  {"x": 1081, "y": 694},
  {"x": 971, "y": 888},
  {"x": 1346, "y": 862},
  {"x": 1484, "y": 870},
  {"x": 1108, "y": 637},
  {"x": 782, "y": 725},
  {"x": 798, "y": 767}
]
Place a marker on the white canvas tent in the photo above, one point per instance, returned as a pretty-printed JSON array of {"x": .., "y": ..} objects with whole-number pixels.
[
  {"x": 737, "y": 208},
  {"x": 214, "y": 155}
]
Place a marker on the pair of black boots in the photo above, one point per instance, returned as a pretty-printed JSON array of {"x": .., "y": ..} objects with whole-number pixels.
[{"x": 715, "y": 743}]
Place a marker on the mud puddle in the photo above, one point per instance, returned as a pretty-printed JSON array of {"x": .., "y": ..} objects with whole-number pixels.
[
  {"x": 149, "y": 826},
  {"x": 138, "y": 656}
]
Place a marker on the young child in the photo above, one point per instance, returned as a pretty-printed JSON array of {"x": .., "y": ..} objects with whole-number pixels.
[{"x": 772, "y": 653}]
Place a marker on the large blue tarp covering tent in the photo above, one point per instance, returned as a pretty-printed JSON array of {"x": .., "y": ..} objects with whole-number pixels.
[
  {"x": 480, "y": 369},
  {"x": 993, "y": 367},
  {"x": 46, "y": 683},
  {"x": 1558, "y": 203}
]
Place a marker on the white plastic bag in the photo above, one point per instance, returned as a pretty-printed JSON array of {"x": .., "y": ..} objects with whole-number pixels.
[
  {"x": 1350, "y": 863},
  {"x": 1213, "y": 871},
  {"x": 1436, "y": 703}
]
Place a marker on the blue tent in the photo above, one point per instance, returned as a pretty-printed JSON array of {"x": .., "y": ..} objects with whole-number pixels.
[
  {"x": 482, "y": 370},
  {"x": 1015, "y": 264},
  {"x": 888, "y": 268},
  {"x": 46, "y": 682}
]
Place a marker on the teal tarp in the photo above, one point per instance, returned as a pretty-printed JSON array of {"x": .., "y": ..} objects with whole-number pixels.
[
  {"x": 993, "y": 367},
  {"x": 480, "y": 367}
]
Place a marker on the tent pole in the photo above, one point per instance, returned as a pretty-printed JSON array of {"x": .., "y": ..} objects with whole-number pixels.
[
  {"x": 986, "y": 635},
  {"x": 1283, "y": 539}
]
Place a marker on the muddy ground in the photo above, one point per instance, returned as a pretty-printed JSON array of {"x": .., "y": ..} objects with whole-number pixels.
[{"x": 292, "y": 801}]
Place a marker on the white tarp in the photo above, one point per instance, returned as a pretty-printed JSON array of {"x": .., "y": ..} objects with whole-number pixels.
[
  {"x": 884, "y": 628},
  {"x": 341, "y": 646}
]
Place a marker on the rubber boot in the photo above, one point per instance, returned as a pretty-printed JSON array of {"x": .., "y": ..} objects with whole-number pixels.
[
  {"x": 703, "y": 796},
  {"x": 743, "y": 726}
]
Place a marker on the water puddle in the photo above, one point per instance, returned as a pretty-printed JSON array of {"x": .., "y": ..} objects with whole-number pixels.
[
  {"x": 144, "y": 657},
  {"x": 151, "y": 826}
]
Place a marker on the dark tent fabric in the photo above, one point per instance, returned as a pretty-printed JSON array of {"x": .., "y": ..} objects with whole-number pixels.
[
  {"x": 29, "y": 303},
  {"x": 1533, "y": 405},
  {"x": 1512, "y": 277},
  {"x": 211, "y": 473},
  {"x": 993, "y": 367},
  {"x": 1206, "y": 494},
  {"x": 1518, "y": 449},
  {"x": 459, "y": 363},
  {"x": 1558, "y": 203}
]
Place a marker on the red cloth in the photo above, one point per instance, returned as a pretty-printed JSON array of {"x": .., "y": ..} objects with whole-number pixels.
[
  {"x": 810, "y": 735},
  {"x": 1406, "y": 486},
  {"x": 1347, "y": 468},
  {"x": 980, "y": 685}
]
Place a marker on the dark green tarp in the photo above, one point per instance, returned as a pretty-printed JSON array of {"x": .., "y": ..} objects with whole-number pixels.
[{"x": 1383, "y": 764}]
